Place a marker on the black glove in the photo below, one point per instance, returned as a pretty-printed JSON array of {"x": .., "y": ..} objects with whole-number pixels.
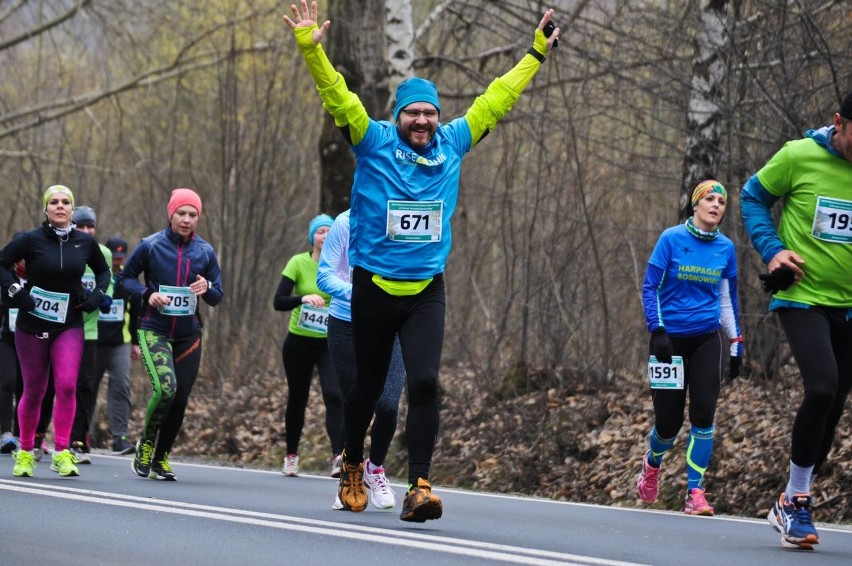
[
  {"x": 661, "y": 345},
  {"x": 736, "y": 363},
  {"x": 24, "y": 301},
  {"x": 106, "y": 304},
  {"x": 778, "y": 280},
  {"x": 93, "y": 300}
]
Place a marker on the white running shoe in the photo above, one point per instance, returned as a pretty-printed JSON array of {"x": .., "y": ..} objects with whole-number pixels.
[
  {"x": 337, "y": 505},
  {"x": 381, "y": 495},
  {"x": 336, "y": 464},
  {"x": 291, "y": 465}
]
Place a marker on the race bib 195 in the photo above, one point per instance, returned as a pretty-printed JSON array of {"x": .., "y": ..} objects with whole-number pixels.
[{"x": 833, "y": 220}]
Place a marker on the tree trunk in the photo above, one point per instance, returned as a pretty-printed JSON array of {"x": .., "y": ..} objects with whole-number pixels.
[
  {"x": 356, "y": 46},
  {"x": 400, "y": 45},
  {"x": 703, "y": 154}
]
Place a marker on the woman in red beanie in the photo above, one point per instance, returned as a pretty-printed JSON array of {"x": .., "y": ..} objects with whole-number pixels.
[{"x": 179, "y": 267}]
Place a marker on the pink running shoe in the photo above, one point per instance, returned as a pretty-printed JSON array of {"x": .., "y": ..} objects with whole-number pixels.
[
  {"x": 647, "y": 484},
  {"x": 696, "y": 504}
]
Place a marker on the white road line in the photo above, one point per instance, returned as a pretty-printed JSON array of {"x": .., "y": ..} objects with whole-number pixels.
[{"x": 447, "y": 545}]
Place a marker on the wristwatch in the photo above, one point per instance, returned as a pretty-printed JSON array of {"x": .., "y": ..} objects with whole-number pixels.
[
  {"x": 209, "y": 284},
  {"x": 14, "y": 288}
]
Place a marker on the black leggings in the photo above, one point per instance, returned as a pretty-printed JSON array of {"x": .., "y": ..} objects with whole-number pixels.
[
  {"x": 377, "y": 318},
  {"x": 342, "y": 350},
  {"x": 821, "y": 340},
  {"x": 702, "y": 359},
  {"x": 301, "y": 354}
]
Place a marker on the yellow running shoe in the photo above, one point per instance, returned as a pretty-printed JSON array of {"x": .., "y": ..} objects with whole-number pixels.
[
  {"x": 24, "y": 464},
  {"x": 63, "y": 463}
]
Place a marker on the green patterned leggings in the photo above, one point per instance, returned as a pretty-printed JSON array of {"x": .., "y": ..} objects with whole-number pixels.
[{"x": 172, "y": 366}]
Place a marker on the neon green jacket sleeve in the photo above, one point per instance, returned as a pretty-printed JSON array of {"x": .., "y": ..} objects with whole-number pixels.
[
  {"x": 503, "y": 92},
  {"x": 343, "y": 105}
]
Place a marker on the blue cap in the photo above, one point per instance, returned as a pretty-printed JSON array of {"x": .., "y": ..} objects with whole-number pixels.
[
  {"x": 317, "y": 223},
  {"x": 414, "y": 90}
]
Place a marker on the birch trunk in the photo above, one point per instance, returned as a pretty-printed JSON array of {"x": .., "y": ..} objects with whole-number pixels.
[
  {"x": 703, "y": 154},
  {"x": 400, "y": 44}
]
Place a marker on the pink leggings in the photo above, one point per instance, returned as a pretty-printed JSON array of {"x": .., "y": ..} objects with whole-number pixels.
[{"x": 36, "y": 356}]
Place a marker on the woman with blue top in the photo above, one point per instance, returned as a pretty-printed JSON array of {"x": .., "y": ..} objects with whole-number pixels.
[
  {"x": 689, "y": 292},
  {"x": 306, "y": 347},
  {"x": 333, "y": 278},
  {"x": 179, "y": 268}
]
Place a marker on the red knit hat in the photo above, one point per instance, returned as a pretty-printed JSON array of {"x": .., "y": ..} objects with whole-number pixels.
[{"x": 181, "y": 197}]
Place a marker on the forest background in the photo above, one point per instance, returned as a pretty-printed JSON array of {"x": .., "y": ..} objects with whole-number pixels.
[{"x": 543, "y": 377}]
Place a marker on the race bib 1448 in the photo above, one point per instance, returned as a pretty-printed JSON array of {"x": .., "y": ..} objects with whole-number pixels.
[{"x": 313, "y": 319}]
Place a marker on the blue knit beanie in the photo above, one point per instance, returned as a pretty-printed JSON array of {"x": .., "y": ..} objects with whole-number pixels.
[
  {"x": 317, "y": 223},
  {"x": 414, "y": 90}
]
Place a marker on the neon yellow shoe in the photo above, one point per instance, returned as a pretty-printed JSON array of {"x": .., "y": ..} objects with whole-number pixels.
[
  {"x": 63, "y": 463},
  {"x": 24, "y": 464},
  {"x": 161, "y": 470}
]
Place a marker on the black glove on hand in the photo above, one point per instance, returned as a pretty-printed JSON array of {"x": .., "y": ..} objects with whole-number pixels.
[
  {"x": 661, "y": 346},
  {"x": 93, "y": 300},
  {"x": 778, "y": 280},
  {"x": 736, "y": 363},
  {"x": 24, "y": 301},
  {"x": 106, "y": 304}
]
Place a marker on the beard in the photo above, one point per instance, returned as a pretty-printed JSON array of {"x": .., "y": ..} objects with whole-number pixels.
[{"x": 417, "y": 137}]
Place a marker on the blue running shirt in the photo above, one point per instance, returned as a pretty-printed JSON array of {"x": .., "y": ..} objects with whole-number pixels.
[{"x": 681, "y": 291}]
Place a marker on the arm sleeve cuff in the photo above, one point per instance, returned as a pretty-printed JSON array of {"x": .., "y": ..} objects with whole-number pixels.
[
  {"x": 319, "y": 66},
  {"x": 346, "y": 108}
]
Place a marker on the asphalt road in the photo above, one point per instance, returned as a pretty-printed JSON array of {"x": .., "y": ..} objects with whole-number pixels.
[{"x": 223, "y": 516}]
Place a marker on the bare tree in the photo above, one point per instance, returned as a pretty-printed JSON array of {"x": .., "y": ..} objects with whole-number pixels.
[
  {"x": 703, "y": 152},
  {"x": 356, "y": 46}
]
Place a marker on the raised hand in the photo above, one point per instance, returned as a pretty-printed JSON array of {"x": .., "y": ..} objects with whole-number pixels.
[
  {"x": 306, "y": 18},
  {"x": 554, "y": 34}
]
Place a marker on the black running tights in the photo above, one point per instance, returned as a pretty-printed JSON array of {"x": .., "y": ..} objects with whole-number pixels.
[
  {"x": 419, "y": 321},
  {"x": 821, "y": 340}
]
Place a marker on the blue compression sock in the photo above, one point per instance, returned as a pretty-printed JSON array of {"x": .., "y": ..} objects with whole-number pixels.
[
  {"x": 659, "y": 447},
  {"x": 698, "y": 452}
]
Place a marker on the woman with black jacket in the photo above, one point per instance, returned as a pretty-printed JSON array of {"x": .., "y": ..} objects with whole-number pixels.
[{"x": 49, "y": 326}]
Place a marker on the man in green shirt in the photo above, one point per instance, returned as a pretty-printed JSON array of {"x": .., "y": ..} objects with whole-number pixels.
[{"x": 808, "y": 259}]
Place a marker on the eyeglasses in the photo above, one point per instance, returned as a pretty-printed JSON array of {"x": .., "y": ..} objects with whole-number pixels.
[{"x": 428, "y": 114}]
